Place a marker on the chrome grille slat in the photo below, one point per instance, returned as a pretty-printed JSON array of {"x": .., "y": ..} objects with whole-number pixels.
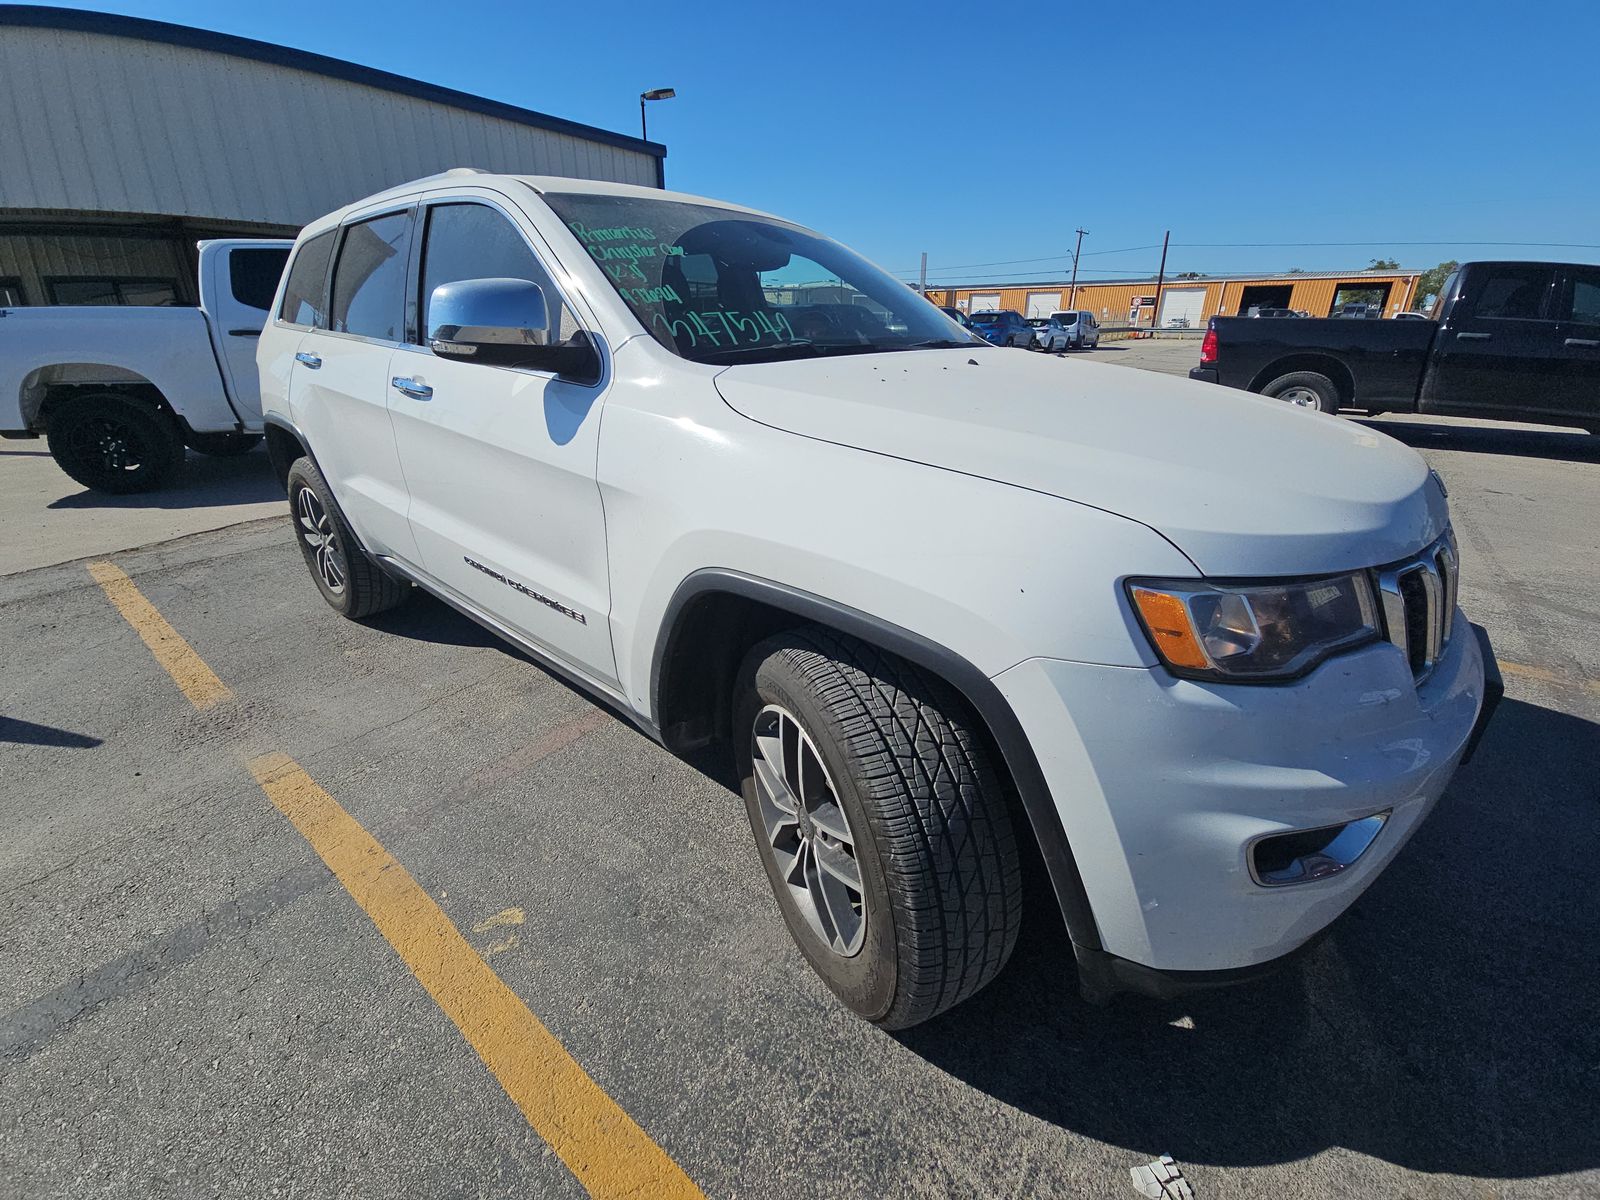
[{"x": 1418, "y": 598}]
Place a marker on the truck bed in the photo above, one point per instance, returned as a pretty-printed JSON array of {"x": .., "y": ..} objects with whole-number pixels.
[
  {"x": 1377, "y": 364},
  {"x": 168, "y": 348}
]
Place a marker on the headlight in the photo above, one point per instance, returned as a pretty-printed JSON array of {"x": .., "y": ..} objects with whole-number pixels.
[{"x": 1257, "y": 631}]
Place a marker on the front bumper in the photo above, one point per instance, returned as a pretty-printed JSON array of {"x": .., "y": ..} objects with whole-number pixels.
[{"x": 1163, "y": 784}]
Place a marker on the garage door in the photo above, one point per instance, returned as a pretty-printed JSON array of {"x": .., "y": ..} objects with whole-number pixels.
[
  {"x": 1181, "y": 308},
  {"x": 1042, "y": 304},
  {"x": 985, "y": 301}
]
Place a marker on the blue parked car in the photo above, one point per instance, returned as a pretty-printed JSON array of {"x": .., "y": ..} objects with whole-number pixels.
[{"x": 1003, "y": 328}]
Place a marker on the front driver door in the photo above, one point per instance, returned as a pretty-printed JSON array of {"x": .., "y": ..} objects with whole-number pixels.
[
  {"x": 1495, "y": 355},
  {"x": 501, "y": 461}
]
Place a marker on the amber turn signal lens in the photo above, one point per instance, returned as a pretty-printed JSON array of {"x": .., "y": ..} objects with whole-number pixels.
[{"x": 1167, "y": 619}]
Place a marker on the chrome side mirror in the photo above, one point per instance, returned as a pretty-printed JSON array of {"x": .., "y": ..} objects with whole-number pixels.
[
  {"x": 472, "y": 316},
  {"x": 505, "y": 323}
]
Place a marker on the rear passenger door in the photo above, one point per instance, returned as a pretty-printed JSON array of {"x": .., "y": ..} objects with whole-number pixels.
[
  {"x": 240, "y": 282},
  {"x": 1496, "y": 353},
  {"x": 500, "y": 461},
  {"x": 339, "y": 391},
  {"x": 1578, "y": 328}
]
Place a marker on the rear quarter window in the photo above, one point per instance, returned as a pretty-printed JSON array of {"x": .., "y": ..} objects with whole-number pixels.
[
  {"x": 305, "y": 294},
  {"x": 253, "y": 276}
]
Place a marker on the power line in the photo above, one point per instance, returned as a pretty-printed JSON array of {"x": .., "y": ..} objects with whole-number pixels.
[
  {"x": 1067, "y": 254},
  {"x": 1369, "y": 245},
  {"x": 1011, "y": 262}
]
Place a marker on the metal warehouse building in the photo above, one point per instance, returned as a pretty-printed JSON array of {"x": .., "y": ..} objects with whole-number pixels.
[
  {"x": 1189, "y": 303},
  {"x": 125, "y": 141}
]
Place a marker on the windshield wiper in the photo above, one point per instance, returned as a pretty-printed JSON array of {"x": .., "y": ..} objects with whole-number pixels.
[
  {"x": 774, "y": 352},
  {"x": 944, "y": 344},
  {"x": 779, "y": 351}
]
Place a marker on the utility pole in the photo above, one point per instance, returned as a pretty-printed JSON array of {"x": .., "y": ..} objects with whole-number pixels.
[
  {"x": 922, "y": 280},
  {"x": 1072, "y": 299},
  {"x": 1161, "y": 276}
]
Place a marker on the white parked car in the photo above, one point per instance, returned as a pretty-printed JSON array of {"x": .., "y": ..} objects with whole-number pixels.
[
  {"x": 120, "y": 391},
  {"x": 902, "y": 575},
  {"x": 1066, "y": 331}
]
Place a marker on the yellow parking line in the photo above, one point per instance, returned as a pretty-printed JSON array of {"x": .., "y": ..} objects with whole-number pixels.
[
  {"x": 1546, "y": 675},
  {"x": 188, "y": 670},
  {"x": 603, "y": 1146}
]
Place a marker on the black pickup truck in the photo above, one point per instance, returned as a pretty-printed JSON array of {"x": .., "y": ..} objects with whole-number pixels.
[{"x": 1509, "y": 341}]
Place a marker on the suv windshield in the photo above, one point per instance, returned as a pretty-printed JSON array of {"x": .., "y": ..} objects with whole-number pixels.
[
  {"x": 720, "y": 286},
  {"x": 988, "y": 318}
]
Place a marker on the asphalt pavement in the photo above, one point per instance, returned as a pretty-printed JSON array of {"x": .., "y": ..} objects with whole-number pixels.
[{"x": 193, "y": 1004}]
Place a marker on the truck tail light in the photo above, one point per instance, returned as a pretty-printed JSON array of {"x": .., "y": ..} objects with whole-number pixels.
[{"x": 1208, "y": 348}]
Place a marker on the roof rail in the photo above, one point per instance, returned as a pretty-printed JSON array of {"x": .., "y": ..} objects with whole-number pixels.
[{"x": 452, "y": 173}]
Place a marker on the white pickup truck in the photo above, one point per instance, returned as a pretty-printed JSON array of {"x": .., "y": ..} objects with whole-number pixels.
[
  {"x": 120, "y": 391},
  {"x": 934, "y": 598}
]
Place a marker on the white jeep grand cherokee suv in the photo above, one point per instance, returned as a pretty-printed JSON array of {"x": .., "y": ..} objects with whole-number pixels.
[{"x": 723, "y": 473}]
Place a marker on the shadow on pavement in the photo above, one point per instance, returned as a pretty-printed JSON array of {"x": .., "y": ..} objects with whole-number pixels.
[
  {"x": 1448, "y": 1025},
  {"x": 426, "y": 619},
  {"x": 206, "y": 482},
  {"x": 26, "y": 733},
  {"x": 1572, "y": 446}
]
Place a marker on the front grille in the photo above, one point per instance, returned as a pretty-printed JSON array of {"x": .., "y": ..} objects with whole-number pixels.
[{"x": 1419, "y": 604}]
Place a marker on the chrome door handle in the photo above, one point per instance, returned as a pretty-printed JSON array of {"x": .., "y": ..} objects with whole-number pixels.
[
  {"x": 1582, "y": 342},
  {"x": 311, "y": 360},
  {"x": 1473, "y": 337},
  {"x": 414, "y": 388}
]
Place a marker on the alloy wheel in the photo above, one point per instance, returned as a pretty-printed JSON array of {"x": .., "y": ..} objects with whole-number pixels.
[
  {"x": 807, "y": 831},
  {"x": 317, "y": 531},
  {"x": 106, "y": 445}
]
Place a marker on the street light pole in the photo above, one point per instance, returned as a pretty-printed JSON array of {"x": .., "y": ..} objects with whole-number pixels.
[
  {"x": 652, "y": 94},
  {"x": 1072, "y": 299}
]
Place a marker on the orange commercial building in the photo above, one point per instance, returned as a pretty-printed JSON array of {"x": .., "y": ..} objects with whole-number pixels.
[{"x": 1189, "y": 303}]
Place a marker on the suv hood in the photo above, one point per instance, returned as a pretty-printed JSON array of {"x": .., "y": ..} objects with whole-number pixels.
[{"x": 1241, "y": 484}]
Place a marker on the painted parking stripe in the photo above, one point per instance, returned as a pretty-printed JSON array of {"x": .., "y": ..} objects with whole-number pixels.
[
  {"x": 611, "y": 1156},
  {"x": 603, "y": 1147},
  {"x": 188, "y": 670},
  {"x": 1546, "y": 675}
]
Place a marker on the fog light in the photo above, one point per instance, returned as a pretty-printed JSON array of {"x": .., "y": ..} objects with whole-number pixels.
[{"x": 1285, "y": 858}]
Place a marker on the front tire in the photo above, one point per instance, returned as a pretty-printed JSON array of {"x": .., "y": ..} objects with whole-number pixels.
[
  {"x": 114, "y": 443},
  {"x": 350, "y": 581},
  {"x": 1305, "y": 389},
  {"x": 881, "y": 820}
]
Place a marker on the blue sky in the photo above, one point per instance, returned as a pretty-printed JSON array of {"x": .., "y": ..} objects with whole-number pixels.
[{"x": 984, "y": 133}]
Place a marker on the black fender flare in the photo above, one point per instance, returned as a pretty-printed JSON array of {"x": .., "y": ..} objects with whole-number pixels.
[
  {"x": 976, "y": 687},
  {"x": 273, "y": 420}
]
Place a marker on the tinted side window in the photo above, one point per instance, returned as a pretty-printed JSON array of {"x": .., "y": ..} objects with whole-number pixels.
[
  {"x": 369, "y": 280},
  {"x": 473, "y": 241},
  {"x": 1511, "y": 292},
  {"x": 253, "y": 275},
  {"x": 308, "y": 278},
  {"x": 1580, "y": 300}
]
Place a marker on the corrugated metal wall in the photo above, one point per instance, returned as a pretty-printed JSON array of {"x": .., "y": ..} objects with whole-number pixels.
[
  {"x": 116, "y": 125},
  {"x": 1111, "y": 302}
]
